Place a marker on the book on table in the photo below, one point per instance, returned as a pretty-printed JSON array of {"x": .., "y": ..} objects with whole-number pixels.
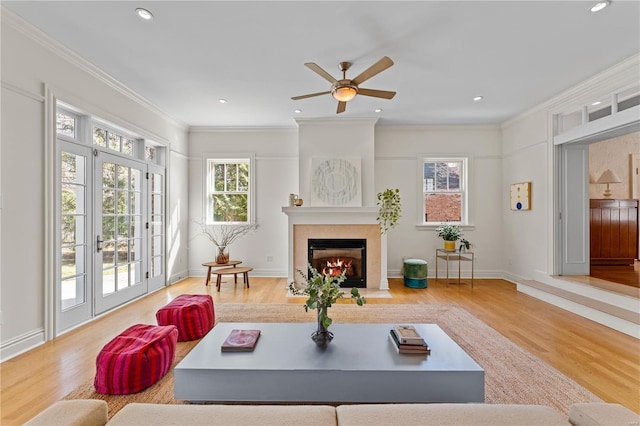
[
  {"x": 407, "y": 334},
  {"x": 240, "y": 340}
]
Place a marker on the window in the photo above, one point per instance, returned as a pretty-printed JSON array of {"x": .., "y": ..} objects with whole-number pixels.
[
  {"x": 228, "y": 190},
  {"x": 113, "y": 141},
  {"x": 65, "y": 124},
  {"x": 444, "y": 190}
]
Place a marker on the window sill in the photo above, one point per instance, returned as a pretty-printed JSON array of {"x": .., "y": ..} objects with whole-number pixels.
[{"x": 430, "y": 227}]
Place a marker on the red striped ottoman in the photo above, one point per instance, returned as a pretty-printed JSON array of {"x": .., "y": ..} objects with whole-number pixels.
[
  {"x": 135, "y": 359},
  {"x": 193, "y": 314}
]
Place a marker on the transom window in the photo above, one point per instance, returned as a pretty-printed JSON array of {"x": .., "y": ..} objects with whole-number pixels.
[
  {"x": 66, "y": 124},
  {"x": 113, "y": 141},
  {"x": 444, "y": 190},
  {"x": 228, "y": 190}
]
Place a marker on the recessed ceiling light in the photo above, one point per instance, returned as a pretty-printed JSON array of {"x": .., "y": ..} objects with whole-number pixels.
[
  {"x": 297, "y": 111},
  {"x": 222, "y": 101},
  {"x": 378, "y": 110},
  {"x": 478, "y": 98},
  {"x": 144, "y": 14},
  {"x": 600, "y": 5},
  {"x": 596, "y": 103}
]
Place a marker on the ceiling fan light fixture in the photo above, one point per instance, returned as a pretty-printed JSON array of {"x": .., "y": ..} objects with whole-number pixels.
[{"x": 344, "y": 93}]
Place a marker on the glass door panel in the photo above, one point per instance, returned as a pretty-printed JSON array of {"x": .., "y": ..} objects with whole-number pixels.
[
  {"x": 119, "y": 249},
  {"x": 73, "y": 294},
  {"x": 157, "y": 276}
]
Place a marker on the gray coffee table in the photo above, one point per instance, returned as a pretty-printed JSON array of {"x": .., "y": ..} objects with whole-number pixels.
[{"x": 360, "y": 365}]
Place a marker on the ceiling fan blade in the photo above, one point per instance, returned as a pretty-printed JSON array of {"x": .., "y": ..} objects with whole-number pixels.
[
  {"x": 310, "y": 95},
  {"x": 374, "y": 69},
  {"x": 342, "y": 106},
  {"x": 376, "y": 93},
  {"x": 315, "y": 68}
]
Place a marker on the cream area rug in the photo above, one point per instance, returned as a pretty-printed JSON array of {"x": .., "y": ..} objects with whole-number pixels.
[{"x": 512, "y": 375}]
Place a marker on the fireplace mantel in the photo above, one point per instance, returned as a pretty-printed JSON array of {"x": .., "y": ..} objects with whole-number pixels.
[
  {"x": 319, "y": 216},
  {"x": 331, "y": 215}
]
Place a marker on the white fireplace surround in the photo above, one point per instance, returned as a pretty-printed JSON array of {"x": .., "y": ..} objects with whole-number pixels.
[{"x": 339, "y": 216}]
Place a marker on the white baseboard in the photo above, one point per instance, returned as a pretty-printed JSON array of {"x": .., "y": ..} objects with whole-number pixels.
[
  {"x": 179, "y": 276},
  {"x": 20, "y": 344}
]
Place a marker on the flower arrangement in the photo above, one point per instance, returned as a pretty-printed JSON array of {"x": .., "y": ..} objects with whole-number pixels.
[
  {"x": 223, "y": 235},
  {"x": 323, "y": 291}
]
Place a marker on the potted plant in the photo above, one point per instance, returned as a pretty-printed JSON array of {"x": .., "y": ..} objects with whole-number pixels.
[
  {"x": 323, "y": 291},
  {"x": 223, "y": 235},
  {"x": 450, "y": 234},
  {"x": 389, "y": 209},
  {"x": 464, "y": 245}
]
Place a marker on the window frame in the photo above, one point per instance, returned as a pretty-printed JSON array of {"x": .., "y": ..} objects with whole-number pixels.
[
  {"x": 208, "y": 182},
  {"x": 465, "y": 161}
]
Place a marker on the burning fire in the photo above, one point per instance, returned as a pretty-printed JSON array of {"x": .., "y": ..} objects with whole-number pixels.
[{"x": 334, "y": 267}]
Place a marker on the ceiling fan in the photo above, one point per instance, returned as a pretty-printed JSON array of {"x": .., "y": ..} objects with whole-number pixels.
[{"x": 344, "y": 90}]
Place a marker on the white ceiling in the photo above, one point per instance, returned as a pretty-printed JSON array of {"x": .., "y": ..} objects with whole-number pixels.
[{"x": 516, "y": 54}]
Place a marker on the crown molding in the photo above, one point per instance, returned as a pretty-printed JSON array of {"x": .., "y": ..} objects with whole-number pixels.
[
  {"x": 601, "y": 84},
  {"x": 438, "y": 128},
  {"x": 336, "y": 121},
  {"x": 25, "y": 28},
  {"x": 240, "y": 129}
]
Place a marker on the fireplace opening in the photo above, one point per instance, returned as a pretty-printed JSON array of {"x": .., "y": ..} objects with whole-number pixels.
[{"x": 333, "y": 255}]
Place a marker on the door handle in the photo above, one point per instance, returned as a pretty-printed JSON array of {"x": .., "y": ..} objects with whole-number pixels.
[{"x": 99, "y": 244}]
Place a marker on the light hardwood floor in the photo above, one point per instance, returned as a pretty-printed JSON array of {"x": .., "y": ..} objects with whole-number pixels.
[{"x": 602, "y": 360}]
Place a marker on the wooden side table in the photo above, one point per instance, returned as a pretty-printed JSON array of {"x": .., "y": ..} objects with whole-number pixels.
[
  {"x": 447, "y": 256},
  {"x": 235, "y": 271},
  {"x": 221, "y": 265}
]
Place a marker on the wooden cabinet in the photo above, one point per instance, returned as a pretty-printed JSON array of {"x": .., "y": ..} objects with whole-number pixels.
[{"x": 614, "y": 232}]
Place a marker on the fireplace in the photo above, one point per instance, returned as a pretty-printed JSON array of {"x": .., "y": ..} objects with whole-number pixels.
[{"x": 333, "y": 255}]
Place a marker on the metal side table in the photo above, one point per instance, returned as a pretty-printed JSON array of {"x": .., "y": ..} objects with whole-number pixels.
[{"x": 448, "y": 256}]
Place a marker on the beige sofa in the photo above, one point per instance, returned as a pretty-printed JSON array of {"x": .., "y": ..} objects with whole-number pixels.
[{"x": 94, "y": 412}]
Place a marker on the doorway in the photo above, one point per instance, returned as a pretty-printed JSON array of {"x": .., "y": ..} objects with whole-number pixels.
[
  {"x": 577, "y": 187},
  {"x": 110, "y": 219}
]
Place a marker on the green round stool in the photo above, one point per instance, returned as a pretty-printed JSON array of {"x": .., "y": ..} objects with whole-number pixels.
[{"x": 415, "y": 273}]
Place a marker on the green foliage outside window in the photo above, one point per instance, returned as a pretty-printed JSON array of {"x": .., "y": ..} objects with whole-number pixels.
[{"x": 228, "y": 191}]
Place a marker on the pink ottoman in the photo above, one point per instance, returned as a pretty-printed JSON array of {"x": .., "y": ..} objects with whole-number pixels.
[
  {"x": 135, "y": 359},
  {"x": 193, "y": 314}
]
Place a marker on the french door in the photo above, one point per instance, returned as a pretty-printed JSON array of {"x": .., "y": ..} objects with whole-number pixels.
[
  {"x": 120, "y": 243},
  {"x": 111, "y": 238}
]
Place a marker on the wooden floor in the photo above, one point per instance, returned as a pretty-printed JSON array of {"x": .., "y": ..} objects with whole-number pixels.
[
  {"x": 602, "y": 360},
  {"x": 627, "y": 275}
]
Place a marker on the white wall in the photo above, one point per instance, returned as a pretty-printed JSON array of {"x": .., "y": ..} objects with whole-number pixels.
[
  {"x": 30, "y": 60},
  {"x": 529, "y": 156},
  {"x": 397, "y": 152},
  {"x": 276, "y": 176},
  {"x": 525, "y": 159},
  {"x": 331, "y": 138},
  {"x": 396, "y": 165}
]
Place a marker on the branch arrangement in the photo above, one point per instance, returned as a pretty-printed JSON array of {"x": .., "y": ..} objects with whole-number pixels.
[{"x": 224, "y": 235}]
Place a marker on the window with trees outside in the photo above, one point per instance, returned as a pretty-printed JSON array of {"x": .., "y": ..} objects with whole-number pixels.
[
  {"x": 228, "y": 190},
  {"x": 444, "y": 190}
]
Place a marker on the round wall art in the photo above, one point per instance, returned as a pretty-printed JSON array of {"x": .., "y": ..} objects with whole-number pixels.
[{"x": 336, "y": 182}]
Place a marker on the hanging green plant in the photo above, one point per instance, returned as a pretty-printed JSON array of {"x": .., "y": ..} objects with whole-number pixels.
[{"x": 389, "y": 209}]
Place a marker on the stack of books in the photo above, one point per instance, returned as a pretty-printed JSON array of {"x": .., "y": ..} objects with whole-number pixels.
[{"x": 407, "y": 340}]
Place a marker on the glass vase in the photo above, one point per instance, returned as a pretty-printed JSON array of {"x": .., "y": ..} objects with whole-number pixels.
[
  {"x": 222, "y": 255},
  {"x": 322, "y": 336}
]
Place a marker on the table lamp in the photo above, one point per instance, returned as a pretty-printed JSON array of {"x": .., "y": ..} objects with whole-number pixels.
[{"x": 608, "y": 177}]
